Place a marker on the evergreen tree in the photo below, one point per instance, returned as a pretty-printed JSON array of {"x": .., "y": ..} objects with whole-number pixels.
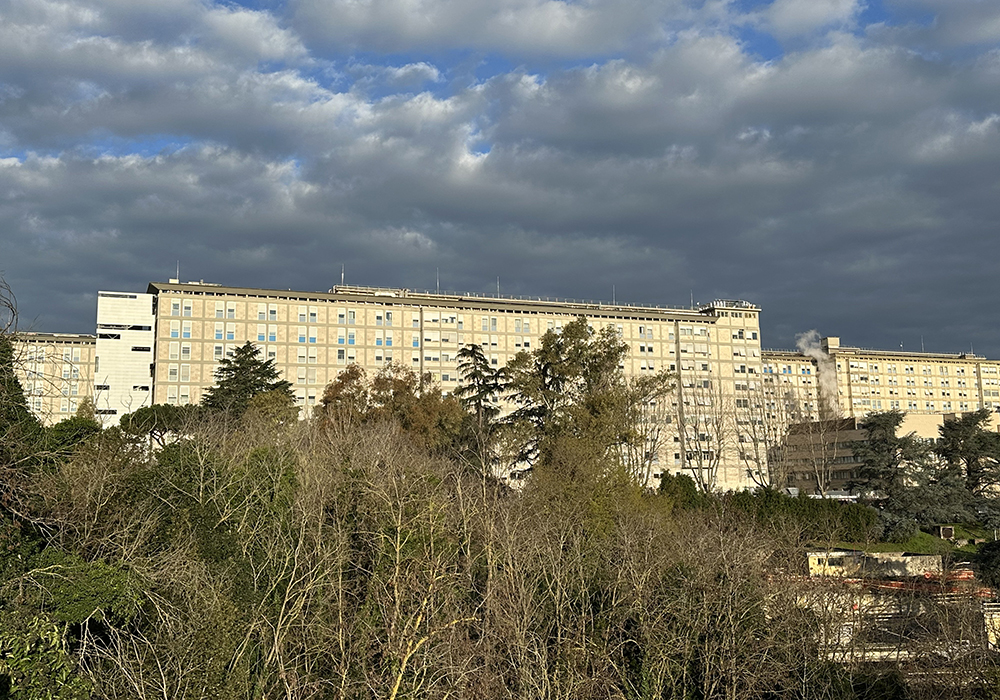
[
  {"x": 19, "y": 429},
  {"x": 573, "y": 397},
  {"x": 903, "y": 475},
  {"x": 969, "y": 446},
  {"x": 240, "y": 378}
]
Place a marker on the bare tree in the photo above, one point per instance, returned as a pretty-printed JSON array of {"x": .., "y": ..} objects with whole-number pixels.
[
  {"x": 8, "y": 309},
  {"x": 705, "y": 426},
  {"x": 762, "y": 422}
]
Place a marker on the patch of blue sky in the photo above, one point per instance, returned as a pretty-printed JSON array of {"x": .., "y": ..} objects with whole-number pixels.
[
  {"x": 146, "y": 146},
  {"x": 759, "y": 44},
  {"x": 457, "y": 69},
  {"x": 874, "y": 12},
  {"x": 107, "y": 145}
]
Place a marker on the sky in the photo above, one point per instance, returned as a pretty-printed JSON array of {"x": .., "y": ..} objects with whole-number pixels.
[{"x": 836, "y": 162}]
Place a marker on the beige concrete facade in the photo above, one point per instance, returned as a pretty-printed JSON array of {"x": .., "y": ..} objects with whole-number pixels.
[
  {"x": 866, "y": 380},
  {"x": 313, "y": 336},
  {"x": 56, "y": 372}
]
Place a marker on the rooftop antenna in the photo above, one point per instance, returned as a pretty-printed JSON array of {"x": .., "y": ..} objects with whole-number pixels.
[
  {"x": 498, "y": 286},
  {"x": 921, "y": 343},
  {"x": 341, "y": 274},
  {"x": 178, "y": 276},
  {"x": 613, "y": 299},
  {"x": 438, "y": 276},
  {"x": 692, "y": 298}
]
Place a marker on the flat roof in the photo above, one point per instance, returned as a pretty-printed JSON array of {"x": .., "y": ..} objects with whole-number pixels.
[{"x": 405, "y": 297}]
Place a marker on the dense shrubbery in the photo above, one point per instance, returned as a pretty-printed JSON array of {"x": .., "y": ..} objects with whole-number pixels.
[{"x": 368, "y": 554}]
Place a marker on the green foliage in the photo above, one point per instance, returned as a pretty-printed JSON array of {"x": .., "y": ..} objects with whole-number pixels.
[
  {"x": 66, "y": 435},
  {"x": 18, "y": 544},
  {"x": 967, "y": 444},
  {"x": 20, "y": 431},
  {"x": 159, "y": 421},
  {"x": 395, "y": 395},
  {"x": 808, "y": 518},
  {"x": 482, "y": 386},
  {"x": 71, "y": 590},
  {"x": 572, "y": 390},
  {"x": 901, "y": 474},
  {"x": 34, "y": 664},
  {"x": 988, "y": 558},
  {"x": 240, "y": 378},
  {"x": 683, "y": 492}
]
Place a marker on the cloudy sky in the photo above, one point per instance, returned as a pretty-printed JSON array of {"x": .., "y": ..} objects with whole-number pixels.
[{"x": 835, "y": 161}]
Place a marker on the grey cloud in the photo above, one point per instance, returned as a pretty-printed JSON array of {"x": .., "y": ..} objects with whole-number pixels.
[
  {"x": 533, "y": 27},
  {"x": 849, "y": 185}
]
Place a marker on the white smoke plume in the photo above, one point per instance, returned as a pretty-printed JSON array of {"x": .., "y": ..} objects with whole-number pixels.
[{"x": 809, "y": 345}]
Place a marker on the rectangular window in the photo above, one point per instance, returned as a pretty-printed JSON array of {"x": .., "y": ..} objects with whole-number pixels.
[
  {"x": 341, "y": 316},
  {"x": 301, "y": 355},
  {"x": 230, "y": 331},
  {"x": 185, "y": 395},
  {"x": 272, "y": 334},
  {"x": 261, "y": 332},
  {"x": 186, "y": 330},
  {"x": 311, "y": 375},
  {"x": 350, "y": 316},
  {"x": 261, "y": 312},
  {"x": 175, "y": 307},
  {"x": 219, "y": 328},
  {"x": 302, "y": 314},
  {"x": 301, "y": 375},
  {"x": 172, "y": 371},
  {"x": 313, "y": 314},
  {"x": 185, "y": 351},
  {"x": 174, "y": 350},
  {"x": 175, "y": 329},
  {"x": 302, "y": 334},
  {"x": 231, "y": 310},
  {"x": 217, "y": 352},
  {"x": 171, "y": 394},
  {"x": 378, "y": 338},
  {"x": 312, "y": 356},
  {"x": 272, "y": 352},
  {"x": 312, "y": 336},
  {"x": 185, "y": 373},
  {"x": 272, "y": 312},
  {"x": 415, "y": 341},
  {"x": 341, "y": 336},
  {"x": 388, "y": 339},
  {"x": 187, "y": 308},
  {"x": 341, "y": 354},
  {"x": 220, "y": 309}
]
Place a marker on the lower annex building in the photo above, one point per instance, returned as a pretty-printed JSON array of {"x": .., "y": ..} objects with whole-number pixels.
[{"x": 163, "y": 346}]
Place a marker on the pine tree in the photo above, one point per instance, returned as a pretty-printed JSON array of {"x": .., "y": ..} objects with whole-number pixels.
[
  {"x": 240, "y": 378},
  {"x": 19, "y": 429}
]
